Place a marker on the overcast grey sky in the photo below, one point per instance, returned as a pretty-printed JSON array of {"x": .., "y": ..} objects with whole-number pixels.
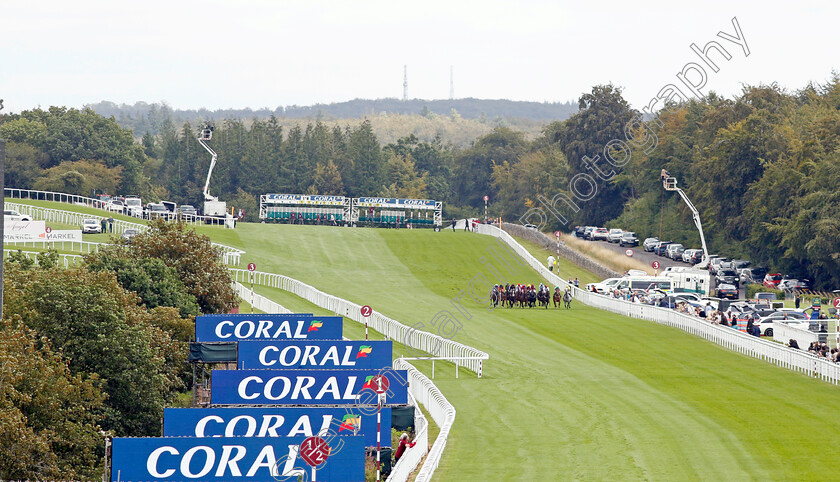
[{"x": 221, "y": 54}]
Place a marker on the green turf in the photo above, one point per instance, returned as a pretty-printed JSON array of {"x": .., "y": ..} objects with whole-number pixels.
[{"x": 580, "y": 394}]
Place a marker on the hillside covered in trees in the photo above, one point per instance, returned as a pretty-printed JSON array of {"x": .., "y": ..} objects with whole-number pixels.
[
  {"x": 142, "y": 117},
  {"x": 759, "y": 167}
]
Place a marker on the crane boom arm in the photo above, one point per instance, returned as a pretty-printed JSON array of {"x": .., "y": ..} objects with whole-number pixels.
[
  {"x": 207, "y": 196},
  {"x": 670, "y": 184}
]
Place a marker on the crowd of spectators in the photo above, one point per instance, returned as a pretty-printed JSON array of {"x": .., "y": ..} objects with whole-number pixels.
[
  {"x": 706, "y": 310},
  {"x": 823, "y": 351}
]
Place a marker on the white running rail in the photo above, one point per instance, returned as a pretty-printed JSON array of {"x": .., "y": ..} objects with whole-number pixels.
[
  {"x": 442, "y": 412},
  {"x": 31, "y": 194},
  {"x": 67, "y": 260},
  {"x": 438, "y": 346},
  {"x": 775, "y": 353},
  {"x": 260, "y": 302},
  {"x": 412, "y": 457},
  {"x": 230, "y": 255}
]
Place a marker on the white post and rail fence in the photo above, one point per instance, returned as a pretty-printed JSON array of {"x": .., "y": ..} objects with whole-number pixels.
[{"x": 771, "y": 352}]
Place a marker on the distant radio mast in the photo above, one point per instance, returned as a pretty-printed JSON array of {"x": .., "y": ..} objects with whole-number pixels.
[
  {"x": 405, "y": 83},
  {"x": 451, "y": 82}
]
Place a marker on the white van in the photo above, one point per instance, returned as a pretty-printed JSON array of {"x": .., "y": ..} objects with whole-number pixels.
[
  {"x": 635, "y": 283},
  {"x": 134, "y": 207},
  {"x": 689, "y": 280}
]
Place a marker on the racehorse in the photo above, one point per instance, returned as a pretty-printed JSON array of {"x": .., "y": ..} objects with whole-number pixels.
[
  {"x": 542, "y": 297},
  {"x": 567, "y": 299},
  {"x": 495, "y": 297},
  {"x": 532, "y": 298},
  {"x": 557, "y": 297}
]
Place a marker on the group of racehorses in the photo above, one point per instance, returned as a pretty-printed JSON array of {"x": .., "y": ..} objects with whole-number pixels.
[{"x": 522, "y": 295}]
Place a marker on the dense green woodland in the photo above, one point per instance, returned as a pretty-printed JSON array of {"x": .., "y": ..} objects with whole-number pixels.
[
  {"x": 759, "y": 167},
  {"x": 100, "y": 347}
]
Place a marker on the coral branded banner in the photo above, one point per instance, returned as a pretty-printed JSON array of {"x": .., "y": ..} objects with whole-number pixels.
[
  {"x": 268, "y": 327},
  {"x": 229, "y": 459},
  {"x": 274, "y": 422},
  {"x": 306, "y": 387},
  {"x": 314, "y": 354}
]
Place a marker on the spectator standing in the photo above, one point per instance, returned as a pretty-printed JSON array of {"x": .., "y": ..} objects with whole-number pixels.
[
  {"x": 404, "y": 444},
  {"x": 577, "y": 283},
  {"x": 453, "y": 224},
  {"x": 797, "y": 300},
  {"x": 110, "y": 224},
  {"x": 103, "y": 224},
  {"x": 466, "y": 224}
]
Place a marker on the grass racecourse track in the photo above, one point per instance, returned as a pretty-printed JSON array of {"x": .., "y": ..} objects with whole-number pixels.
[
  {"x": 566, "y": 395},
  {"x": 580, "y": 394}
]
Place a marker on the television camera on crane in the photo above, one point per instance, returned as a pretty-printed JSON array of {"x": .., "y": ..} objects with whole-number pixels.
[
  {"x": 213, "y": 208},
  {"x": 669, "y": 182}
]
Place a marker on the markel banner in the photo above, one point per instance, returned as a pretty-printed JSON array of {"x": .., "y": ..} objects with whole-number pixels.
[
  {"x": 64, "y": 235},
  {"x": 274, "y": 422},
  {"x": 268, "y": 327},
  {"x": 305, "y": 387},
  {"x": 314, "y": 354},
  {"x": 18, "y": 231},
  {"x": 232, "y": 458}
]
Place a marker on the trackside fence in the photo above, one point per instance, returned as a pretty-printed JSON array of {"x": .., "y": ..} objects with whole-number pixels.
[
  {"x": 66, "y": 260},
  {"x": 775, "y": 353},
  {"x": 259, "y": 302},
  {"x": 60, "y": 197},
  {"x": 420, "y": 341},
  {"x": 230, "y": 255},
  {"x": 441, "y": 411}
]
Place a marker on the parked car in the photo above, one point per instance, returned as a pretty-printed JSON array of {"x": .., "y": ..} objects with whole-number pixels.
[
  {"x": 91, "y": 226},
  {"x": 579, "y": 231},
  {"x": 587, "y": 232},
  {"x": 600, "y": 234},
  {"x": 650, "y": 243},
  {"x": 155, "y": 210},
  {"x": 740, "y": 264},
  {"x": 661, "y": 247},
  {"x": 772, "y": 280},
  {"x": 10, "y": 215},
  {"x": 793, "y": 284},
  {"x": 691, "y": 297},
  {"x": 696, "y": 257},
  {"x": 614, "y": 235},
  {"x": 604, "y": 286},
  {"x": 753, "y": 275},
  {"x": 673, "y": 249},
  {"x": 726, "y": 291},
  {"x": 115, "y": 206},
  {"x": 187, "y": 210},
  {"x": 766, "y": 323},
  {"x": 128, "y": 234},
  {"x": 628, "y": 238},
  {"x": 686, "y": 255},
  {"x": 727, "y": 276},
  {"x": 714, "y": 265}
]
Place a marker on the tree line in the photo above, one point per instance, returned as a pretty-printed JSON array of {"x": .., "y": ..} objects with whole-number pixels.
[
  {"x": 758, "y": 167},
  {"x": 99, "y": 348}
]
